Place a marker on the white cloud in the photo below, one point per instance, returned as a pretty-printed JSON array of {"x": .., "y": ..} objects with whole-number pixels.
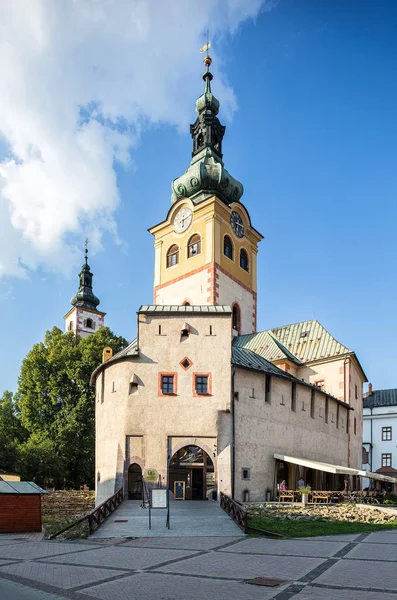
[{"x": 79, "y": 81}]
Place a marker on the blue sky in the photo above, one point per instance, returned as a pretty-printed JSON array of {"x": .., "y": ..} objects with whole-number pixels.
[{"x": 308, "y": 94}]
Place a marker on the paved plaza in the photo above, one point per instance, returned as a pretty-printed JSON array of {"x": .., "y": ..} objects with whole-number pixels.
[{"x": 350, "y": 567}]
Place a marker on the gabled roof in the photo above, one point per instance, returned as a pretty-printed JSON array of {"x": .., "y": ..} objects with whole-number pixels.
[
  {"x": 301, "y": 343},
  {"x": 247, "y": 359},
  {"x": 381, "y": 398},
  {"x": 20, "y": 487},
  {"x": 175, "y": 308}
]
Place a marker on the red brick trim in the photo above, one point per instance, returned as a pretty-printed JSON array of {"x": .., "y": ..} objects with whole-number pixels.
[
  {"x": 209, "y": 393},
  {"x": 172, "y": 374}
]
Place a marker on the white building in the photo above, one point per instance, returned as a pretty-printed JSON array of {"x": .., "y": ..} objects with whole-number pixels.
[{"x": 380, "y": 436}]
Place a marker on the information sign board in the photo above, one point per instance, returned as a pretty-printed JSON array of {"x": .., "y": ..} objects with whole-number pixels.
[{"x": 159, "y": 498}]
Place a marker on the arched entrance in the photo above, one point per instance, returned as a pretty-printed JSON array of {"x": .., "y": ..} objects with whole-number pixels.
[
  {"x": 134, "y": 482},
  {"x": 193, "y": 466}
]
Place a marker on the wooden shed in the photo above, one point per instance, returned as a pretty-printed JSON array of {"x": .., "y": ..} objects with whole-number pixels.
[{"x": 20, "y": 506}]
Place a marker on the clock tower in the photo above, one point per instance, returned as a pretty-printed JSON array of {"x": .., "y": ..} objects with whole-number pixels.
[{"x": 206, "y": 248}]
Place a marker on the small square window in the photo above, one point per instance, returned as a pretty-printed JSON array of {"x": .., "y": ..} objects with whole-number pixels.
[
  {"x": 386, "y": 460},
  {"x": 186, "y": 363},
  {"x": 245, "y": 473},
  {"x": 386, "y": 434},
  {"x": 202, "y": 385},
  {"x": 167, "y": 384}
]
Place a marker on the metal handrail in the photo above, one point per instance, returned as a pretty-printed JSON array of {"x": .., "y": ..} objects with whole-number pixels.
[
  {"x": 97, "y": 516},
  {"x": 235, "y": 511}
]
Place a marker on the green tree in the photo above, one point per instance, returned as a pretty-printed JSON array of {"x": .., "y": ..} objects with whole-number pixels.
[
  {"x": 57, "y": 406},
  {"x": 12, "y": 433}
]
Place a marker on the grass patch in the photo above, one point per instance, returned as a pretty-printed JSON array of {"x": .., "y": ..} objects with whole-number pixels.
[
  {"x": 292, "y": 528},
  {"x": 53, "y": 523}
]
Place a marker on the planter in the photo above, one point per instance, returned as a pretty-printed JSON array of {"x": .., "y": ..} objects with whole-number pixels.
[{"x": 305, "y": 498}]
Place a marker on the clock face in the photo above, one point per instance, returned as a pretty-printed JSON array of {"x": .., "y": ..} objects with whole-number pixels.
[
  {"x": 182, "y": 219},
  {"x": 237, "y": 224}
]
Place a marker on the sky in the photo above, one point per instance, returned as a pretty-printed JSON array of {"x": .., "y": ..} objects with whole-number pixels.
[{"x": 96, "y": 99}]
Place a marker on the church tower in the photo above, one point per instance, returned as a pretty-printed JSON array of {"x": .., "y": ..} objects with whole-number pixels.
[
  {"x": 206, "y": 248},
  {"x": 84, "y": 318}
]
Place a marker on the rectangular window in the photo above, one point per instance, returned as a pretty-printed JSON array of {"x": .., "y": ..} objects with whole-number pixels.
[
  {"x": 167, "y": 384},
  {"x": 356, "y": 392},
  {"x": 293, "y": 397},
  {"x": 386, "y": 460},
  {"x": 267, "y": 387},
  {"x": 320, "y": 385},
  {"x": 326, "y": 409},
  {"x": 245, "y": 473},
  {"x": 355, "y": 426},
  {"x": 337, "y": 415},
  {"x": 312, "y": 404},
  {"x": 386, "y": 434},
  {"x": 202, "y": 385}
]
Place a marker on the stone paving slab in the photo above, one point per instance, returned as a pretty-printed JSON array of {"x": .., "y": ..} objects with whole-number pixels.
[
  {"x": 62, "y": 576},
  {"x": 10, "y": 590},
  {"x": 9, "y": 542},
  {"x": 155, "y": 586},
  {"x": 285, "y": 547},
  {"x": 239, "y": 566},
  {"x": 122, "y": 557},
  {"x": 361, "y": 574},
  {"x": 313, "y": 593},
  {"x": 182, "y": 543},
  {"x": 387, "y": 552},
  {"x": 41, "y": 549},
  {"x": 195, "y": 519},
  {"x": 382, "y": 537},
  {"x": 347, "y": 537}
]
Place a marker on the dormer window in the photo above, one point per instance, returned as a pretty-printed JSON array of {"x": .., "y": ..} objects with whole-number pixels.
[
  {"x": 194, "y": 245},
  {"x": 228, "y": 247},
  {"x": 173, "y": 256}
]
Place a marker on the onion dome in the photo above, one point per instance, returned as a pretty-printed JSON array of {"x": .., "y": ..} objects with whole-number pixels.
[
  {"x": 206, "y": 174},
  {"x": 85, "y": 298}
]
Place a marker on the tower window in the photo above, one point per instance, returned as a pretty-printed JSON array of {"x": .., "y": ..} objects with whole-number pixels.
[
  {"x": 236, "y": 318},
  {"x": 70, "y": 326},
  {"x": 173, "y": 256},
  {"x": 194, "y": 245},
  {"x": 89, "y": 324},
  {"x": 244, "y": 263},
  {"x": 228, "y": 247}
]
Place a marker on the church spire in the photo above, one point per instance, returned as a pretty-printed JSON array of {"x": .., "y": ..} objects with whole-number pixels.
[
  {"x": 207, "y": 175},
  {"x": 85, "y": 298}
]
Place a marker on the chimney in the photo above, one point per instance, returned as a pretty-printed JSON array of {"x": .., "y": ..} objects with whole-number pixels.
[{"x": 107, "y": 353}]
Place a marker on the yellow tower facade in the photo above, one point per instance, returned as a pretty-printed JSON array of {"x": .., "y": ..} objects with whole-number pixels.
[{"x": 206, "y": 248}]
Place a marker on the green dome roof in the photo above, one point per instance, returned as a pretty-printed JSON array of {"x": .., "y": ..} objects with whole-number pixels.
[{"x": 85, "y": 298}]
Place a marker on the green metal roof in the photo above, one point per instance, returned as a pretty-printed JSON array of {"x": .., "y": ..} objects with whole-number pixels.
[
  {"x": 20, "y": 487},
  {"x": 301, "y": 343},
  {"x": 175, "y": 308},
  {"x": 381, "y": 398}
]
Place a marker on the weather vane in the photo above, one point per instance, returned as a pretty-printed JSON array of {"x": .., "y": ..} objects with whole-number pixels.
[
  {"x": 206, "y": 46},
  {"x": 86, "y": 249}
]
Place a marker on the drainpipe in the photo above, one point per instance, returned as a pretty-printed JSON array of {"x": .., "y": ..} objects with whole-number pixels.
[
  {"x": 345, "y": 363},
  {"x": 233, "y": 435},
  {"x": 370, "y": 464}
]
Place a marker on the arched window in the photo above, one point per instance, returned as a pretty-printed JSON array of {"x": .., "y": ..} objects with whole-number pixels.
[
  {"x": 244, "y": 262},
  {"x": 236, "y": 317},
  {"x": 89, "y": 324},
  {"x": 70, "y": 325},
  {"x": 173, "y": 256},
  {"x": 228, "y": 247},
  {"x": 194, "y": 245}
]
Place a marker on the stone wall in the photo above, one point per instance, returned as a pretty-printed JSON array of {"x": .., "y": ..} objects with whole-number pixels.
[{"x": 68, "y": 502}]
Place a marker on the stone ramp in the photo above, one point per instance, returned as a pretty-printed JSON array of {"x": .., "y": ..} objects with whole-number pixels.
[{"x": 194, "y": 518}]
